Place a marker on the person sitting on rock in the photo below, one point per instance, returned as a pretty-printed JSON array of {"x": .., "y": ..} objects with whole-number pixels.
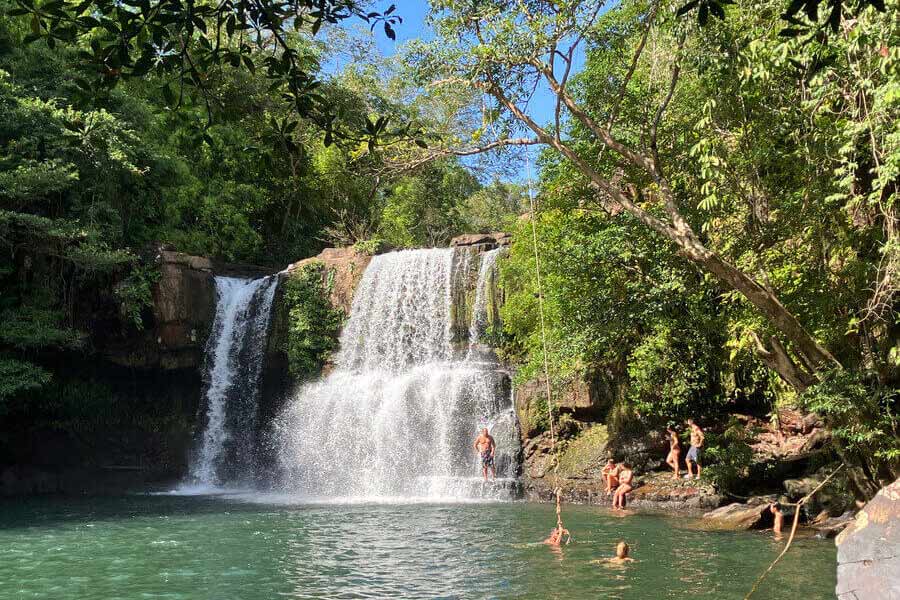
[
  {"x": 778, "y": 523},
  {"x": 693, "y": 455},
  {"x": 674, "y": 451},
  {"x": 610, "y": 475},
  {"x": 626, "y": 479}
]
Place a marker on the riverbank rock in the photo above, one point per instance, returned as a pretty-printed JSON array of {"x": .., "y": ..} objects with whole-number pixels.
[
  {"x": 834, "y": 498},
  {"x": 739, "y": 516},
  {"x": 869, "y": 550},
  {"x": 829, "y": 527},
  {"x": 662, "y": 490}
]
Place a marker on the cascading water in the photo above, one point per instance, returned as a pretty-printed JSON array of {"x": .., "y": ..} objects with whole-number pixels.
[
  {"x": 234, "y": 360},
  {"x": 398, "y": 414},
  {"x": 483, "y": 285}
]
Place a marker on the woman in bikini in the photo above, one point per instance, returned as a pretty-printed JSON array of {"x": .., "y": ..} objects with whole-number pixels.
[
  {"x": 674, "y": 451},
  {"x": 626, "y": 478}
]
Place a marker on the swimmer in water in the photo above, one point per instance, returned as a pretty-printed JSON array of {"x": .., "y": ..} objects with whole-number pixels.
[
  {"x": 779, "y": 519},
  {"x": 622, "y": 556},
  {"x": 556, "y": 536},
  {"x": 622, "y": 551}
]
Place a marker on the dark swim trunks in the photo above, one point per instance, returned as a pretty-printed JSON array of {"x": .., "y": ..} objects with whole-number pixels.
[{"x": 486, "y": 459}]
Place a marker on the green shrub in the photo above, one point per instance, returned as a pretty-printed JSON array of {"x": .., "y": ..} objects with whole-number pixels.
[
  {"x": 135, "y": 293},
  {"x": 729, "y": 455},
  {"x": 862, "y": 415},
  {"x": 313, "y": 324}
]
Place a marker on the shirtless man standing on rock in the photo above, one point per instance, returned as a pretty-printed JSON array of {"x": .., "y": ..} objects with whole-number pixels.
[
  {"x": 485, "y": 446},
  {"x": 693, "y": 455}
]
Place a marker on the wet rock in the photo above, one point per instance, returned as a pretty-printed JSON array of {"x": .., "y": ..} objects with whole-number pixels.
[
  {"x": 739, "y": 516},
  {"x": 869, "y": 550},
  {"x": 829, "y": 527}
]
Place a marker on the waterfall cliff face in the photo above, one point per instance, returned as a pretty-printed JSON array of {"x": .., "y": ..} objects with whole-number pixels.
[
  {"x": 398, "y": 414},
  {"x": 234, "y": 360}
]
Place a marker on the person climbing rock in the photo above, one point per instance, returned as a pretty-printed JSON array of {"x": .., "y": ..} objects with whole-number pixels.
[
  {"x": 610, "y": 475},
  {"x": 674, "y": 451},
  {"x": 626, "y": 479},
  {"x": 693, "y": 456},
  {"x": 485, "y": 446}
]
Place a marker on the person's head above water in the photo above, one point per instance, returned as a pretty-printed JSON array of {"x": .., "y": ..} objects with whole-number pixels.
[{"x": 622, "y": 550}]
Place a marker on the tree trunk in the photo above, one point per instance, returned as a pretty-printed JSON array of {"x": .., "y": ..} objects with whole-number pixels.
[{"x": 813, "y": 353}]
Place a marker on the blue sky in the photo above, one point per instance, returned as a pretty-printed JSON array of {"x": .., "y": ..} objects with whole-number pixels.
[{"x": 541, "y": 107}]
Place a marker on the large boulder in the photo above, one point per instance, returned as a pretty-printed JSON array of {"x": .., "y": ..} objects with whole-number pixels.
[
  {"x": 739, "y": 516},
  {"x": 834, "y": 498},
  {"x": 869, "y": 550},
  {"x": 344, "y": 267},
  {"x": 661, "y": 489},
  {"x": 491, "y": 240}
]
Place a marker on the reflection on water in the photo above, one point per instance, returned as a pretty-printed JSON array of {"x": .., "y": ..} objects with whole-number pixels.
[{"x": 220, "y": 548}]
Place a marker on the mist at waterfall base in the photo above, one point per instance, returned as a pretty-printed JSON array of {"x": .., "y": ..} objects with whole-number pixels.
[
  {"x": 394, "y": 419},
  {"x": 397, "y": 416}
]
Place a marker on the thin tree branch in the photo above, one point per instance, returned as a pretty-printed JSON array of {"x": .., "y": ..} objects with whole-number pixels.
[{"x": 676, "y": 71}]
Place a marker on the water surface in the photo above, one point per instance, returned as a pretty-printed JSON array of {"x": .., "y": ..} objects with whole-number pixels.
[{"x": 252, "y": 547}]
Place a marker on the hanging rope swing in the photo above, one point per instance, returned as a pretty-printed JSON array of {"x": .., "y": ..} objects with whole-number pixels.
[{"x": 557, "y": 489}]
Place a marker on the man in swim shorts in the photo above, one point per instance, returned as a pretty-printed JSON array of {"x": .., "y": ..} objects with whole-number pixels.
[
  {"x": 485, "y": 446},
  {"x": 693, "y": 456}
]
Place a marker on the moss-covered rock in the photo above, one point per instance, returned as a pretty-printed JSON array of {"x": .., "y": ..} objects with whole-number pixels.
[{"x": 586, "y": 453}]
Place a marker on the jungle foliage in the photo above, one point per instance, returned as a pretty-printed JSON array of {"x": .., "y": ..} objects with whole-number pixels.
[
  {"x": 104, "y": 156},
  {"x": 717, "y": 212}
]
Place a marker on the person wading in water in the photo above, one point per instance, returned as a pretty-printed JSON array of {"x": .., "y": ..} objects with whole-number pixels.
[
  {"x": 674, "y": 451},
  {"x": 693, "y": 455},
  {"x": 485, "y": 446}
]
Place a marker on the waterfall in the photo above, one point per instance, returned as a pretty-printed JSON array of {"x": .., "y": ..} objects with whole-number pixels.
[
  {"x": 482, "y": 296},
  {"x": 398, "y": 414},
  {"x": 234, "y": 360}
]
